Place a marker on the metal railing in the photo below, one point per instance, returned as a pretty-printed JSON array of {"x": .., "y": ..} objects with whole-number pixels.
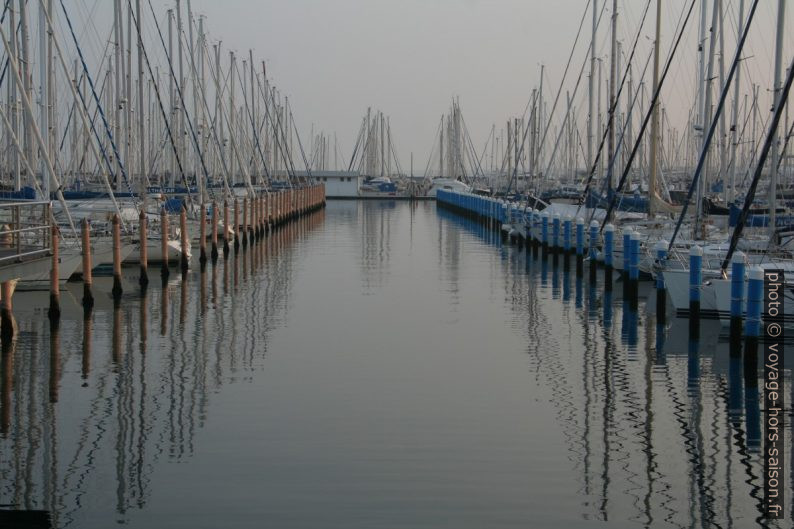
[{"x": 25, "y": 231}]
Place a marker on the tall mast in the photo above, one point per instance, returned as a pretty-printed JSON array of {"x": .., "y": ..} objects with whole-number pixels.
[
  {"x": 612, "y": 76},
  {"x": 12, "y": 102},
  {"x": 591, "y": 80},
  {"x": 180, "y": 87},
  {"x": 27, "y": 86},
  {"x": 43, "y": 98},
  {"x": 117, "y": 29},
  {"x": 171, "y": 98},
  {"x": 775, "y": 150},
  {"x": 441, "y": 150},
  {"x": 538, "y": 154},
  {"x": 703, "y": 182},
  {"x": 141, "y": 134},
  {"x": 655, "y": 115}
]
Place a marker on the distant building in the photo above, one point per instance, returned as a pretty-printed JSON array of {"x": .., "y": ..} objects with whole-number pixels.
[{"x": 338, "y": 184}]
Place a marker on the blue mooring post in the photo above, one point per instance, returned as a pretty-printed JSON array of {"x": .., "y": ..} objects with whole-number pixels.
[
  {"x": 555, "y": 230},
  {"x": 752, "y": 331},
  {"x": 695, "y": 282},
  {"x": 609, "y": 248},
  {"x": 544, "y": 223},
  {"x": 634, "y": 257},
  {"x": 737, "y": 287},
  {"x": 566, "y": 234},
  {"x": 755, "y": 300},
  {"x": 626, "y": 250},
  {"x": 660, "y": 252},
  {"x": 609, "y": 244},
  {"x": 580, "y": 237},
  {"x": 593, "y": 245}
]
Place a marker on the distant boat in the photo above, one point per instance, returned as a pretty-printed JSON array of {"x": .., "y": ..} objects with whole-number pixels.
[
  {"x": 379, "y": 186},
  {"x": 450, "y": 184}
]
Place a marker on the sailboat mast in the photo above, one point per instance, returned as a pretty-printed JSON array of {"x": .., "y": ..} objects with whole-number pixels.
[
  {"x": 655, "y": 116},
  {"x": 141, "y": 134},
  {"x": 612, "y": 75},
  {"x": 775, "y": 149},
  {"x": 591, "y": 80}
]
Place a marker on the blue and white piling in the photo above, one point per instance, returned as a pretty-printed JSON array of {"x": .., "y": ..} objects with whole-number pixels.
[
  {"x": 555, "y": 230},
  {"x": 738, "y": 270},
  {"x": 695, "y": 285},
  {"x": 626, "y": 250},
  {"x": 752, "y": 331},
  {"x": 567, "y": 233},
  {"x": 660, "y": 253},
  {"x": 609, "y": 248},
  {"x": 593, "y": 249},
  {"x": 579, "y": 246},
  {"x": 544, "y": 229},
  {"x": 634, "y": 257}
]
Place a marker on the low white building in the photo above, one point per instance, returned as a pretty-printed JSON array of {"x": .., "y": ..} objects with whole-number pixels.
[{"x": 338, "y": 184}]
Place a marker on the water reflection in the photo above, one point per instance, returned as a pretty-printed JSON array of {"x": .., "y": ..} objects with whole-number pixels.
[
  {"x": 630, "y": 418},
  {"x": 141, "y": 402},
  {"x": 642, "y": 422}
]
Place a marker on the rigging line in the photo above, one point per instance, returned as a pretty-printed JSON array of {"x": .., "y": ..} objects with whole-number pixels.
[
  {"x": 278, "y": 127},
  {"x": 257, "y": 143},
  {"x": 565, "y": 73},
  {"x": 714, "y": 122},
  {"x": 612, "y": 109},
  {"x": 748, "y": 200},
  {"x": 300, "y": 146},
  {"x": 617, "y": 152},
  {"x": 355, "y": 147},
  {"x": 212, "y": 123},
  {"x": 581, "y": 71},
  {"x": 472, "y": 149},
  {"x": 432, "y": 152},
  {"x": 162, "y": 110},
  {"x": 99, "y": 106},
  {"x": 193, "y": 135}
]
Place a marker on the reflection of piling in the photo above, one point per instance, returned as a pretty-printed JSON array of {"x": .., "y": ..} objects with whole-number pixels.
[
  {"x": 55, "y": 277},
  {"x": 236, "y": 225},
  {"x": 214, "y": 232},
  {"x": 6, "y": 384},
  {"x": 593, "y": 247},
  {"x": 695, "y": 282},
  {"x": 86, "y": 347},
  {"x": 634, "y": 269},
  {"x": 7, "y": 322},
  {"x": 609, "y": 249},
  {"x": 143, "y": 279},
  {"x": 579, "y": 247},
  {"x": 55, "y": 360},
  {"x": 164, "y": 243},
  {"x": 244, "y": 237},
  {"x": 755, "y": 296},
  {"x": 184, "y": 240},
  {"x": 203, "y": 234},
  {"x": 252, "y": 227},
  {"x": 737, "y": 291},
  {"x": 225, "y": 229},
  {"x": 117, "y": 290},
  {"x": 116, "y": 338},
  {"x": 661, "y": 288},
  {"x": 88, "y": 297}
]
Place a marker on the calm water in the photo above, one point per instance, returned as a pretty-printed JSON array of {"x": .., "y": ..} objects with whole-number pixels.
[{"x": 376, "y": 365}]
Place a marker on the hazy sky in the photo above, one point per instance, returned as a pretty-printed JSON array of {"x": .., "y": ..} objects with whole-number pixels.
[{"x": 409, "y": 58}]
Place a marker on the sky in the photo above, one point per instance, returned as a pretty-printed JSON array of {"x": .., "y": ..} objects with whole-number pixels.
[{"x": 409, "y": 58}]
